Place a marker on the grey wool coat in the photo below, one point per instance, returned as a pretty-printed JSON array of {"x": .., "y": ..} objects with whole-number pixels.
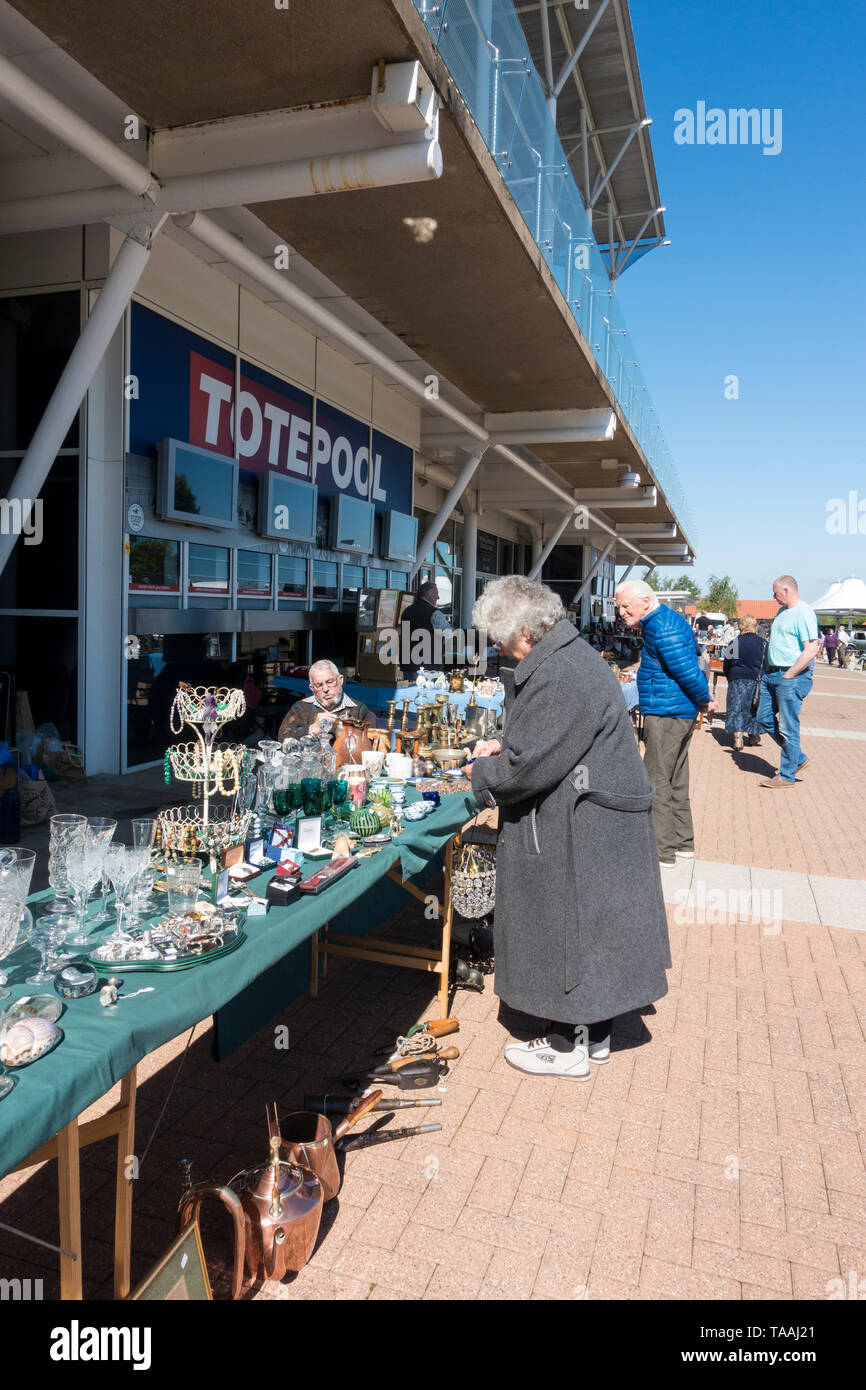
[{"x": 580, "y": 925}]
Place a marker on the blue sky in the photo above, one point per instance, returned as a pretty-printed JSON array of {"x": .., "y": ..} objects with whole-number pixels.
[{"x": 764, "y": 280}]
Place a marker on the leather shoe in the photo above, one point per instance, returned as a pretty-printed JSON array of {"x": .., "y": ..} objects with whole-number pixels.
[
  {"x": 775, "y": 783},
  {"x": 803, "y": 765}
]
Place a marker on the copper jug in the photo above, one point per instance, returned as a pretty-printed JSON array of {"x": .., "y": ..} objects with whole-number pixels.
[
  {"x": 350, "y": 740},
  {"x": 282, "y": 1204},
  {"x": 310, "y": 1141}
]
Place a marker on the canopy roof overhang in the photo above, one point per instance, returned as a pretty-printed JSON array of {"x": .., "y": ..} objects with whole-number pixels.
[
  {"x": 483, "y": 323},
  {"x": 604, "y": 82}
]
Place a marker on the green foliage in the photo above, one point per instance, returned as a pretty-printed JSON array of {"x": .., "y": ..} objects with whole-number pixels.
[{"x": 721, "y": 596}]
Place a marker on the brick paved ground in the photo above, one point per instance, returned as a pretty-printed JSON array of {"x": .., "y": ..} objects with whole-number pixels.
[
  {"x": 720, "y": 1154},
  {"x": 818, "y": 827}
]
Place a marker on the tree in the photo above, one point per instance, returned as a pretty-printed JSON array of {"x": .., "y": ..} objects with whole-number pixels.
[
  {"x": 685, "y": 581},
  {"x": 667, "y": 586},
  {"x": 722, "y": 596}
]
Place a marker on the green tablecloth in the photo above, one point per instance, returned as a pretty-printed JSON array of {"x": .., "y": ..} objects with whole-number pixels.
[{"x": 101, "y": 1045}]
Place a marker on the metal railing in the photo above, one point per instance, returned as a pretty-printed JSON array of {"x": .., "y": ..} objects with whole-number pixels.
[{"x": 484, "y": 48}]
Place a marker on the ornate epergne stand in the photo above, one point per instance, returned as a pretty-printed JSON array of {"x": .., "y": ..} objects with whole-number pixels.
[{"x": 214, "y": 769}]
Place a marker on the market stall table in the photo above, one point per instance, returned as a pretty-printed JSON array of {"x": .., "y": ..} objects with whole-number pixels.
[{"x": 101, "y": 1046}]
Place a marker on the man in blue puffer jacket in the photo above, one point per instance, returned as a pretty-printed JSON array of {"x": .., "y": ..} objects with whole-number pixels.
[{"x": 672, "y": 688}]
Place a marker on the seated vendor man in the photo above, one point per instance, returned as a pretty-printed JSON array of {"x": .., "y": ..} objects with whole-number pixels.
[{"x": 326, "y": 683}]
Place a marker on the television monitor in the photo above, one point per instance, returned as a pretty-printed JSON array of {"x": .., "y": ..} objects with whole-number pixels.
[
  {"x": 399, "y": 536},
  {"x": 196, "y": 486},
  {"x": 351, "y": 525},
  {"x": 287, "y": 508}
]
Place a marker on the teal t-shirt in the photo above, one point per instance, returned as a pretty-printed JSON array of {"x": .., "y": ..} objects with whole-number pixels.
[{"x": 791, "y": 630}]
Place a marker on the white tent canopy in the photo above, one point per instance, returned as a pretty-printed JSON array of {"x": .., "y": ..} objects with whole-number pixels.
[{"x": 845, "y": 596}]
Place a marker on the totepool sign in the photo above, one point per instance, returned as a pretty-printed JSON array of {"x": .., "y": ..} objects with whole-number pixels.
[{"x": 185, "y": 390}]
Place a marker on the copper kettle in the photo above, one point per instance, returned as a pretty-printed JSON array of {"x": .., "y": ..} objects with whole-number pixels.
[
  {"x": 311, "y": 1141},
  {"x": 282, "y": 1204}
]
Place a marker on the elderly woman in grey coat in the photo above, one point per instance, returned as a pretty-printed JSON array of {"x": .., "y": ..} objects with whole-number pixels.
[{"x": 581, "y": 930}]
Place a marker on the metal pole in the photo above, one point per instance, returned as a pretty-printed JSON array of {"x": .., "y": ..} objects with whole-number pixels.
[
  {"x": 470, "y": 563},
  {"x": 594, "y": 571},
  {"x": 452, "y": 497},
  {"x": 79, "y": 371},
  {"x": 45, "y": 108},
  {"x": 539, "y": 564},
  {"x": 624, "y": 576}
]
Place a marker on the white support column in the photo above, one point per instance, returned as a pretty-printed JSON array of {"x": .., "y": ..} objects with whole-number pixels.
[
  {"x": 624, "y": 576},
  {"x": 536, "y": 550},
  {"x": 452, "y": 497},
  {"x": 594, "y": 571},
  {"x": 79, "y": 371},
  {"x": 470, "y": 561},
  {"x": 538, "y": 565}
]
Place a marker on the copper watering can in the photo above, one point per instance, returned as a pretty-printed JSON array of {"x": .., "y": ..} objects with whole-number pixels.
[
  {"x": 276, "y": 1209},
  {"x": 310, "y": 1141}
]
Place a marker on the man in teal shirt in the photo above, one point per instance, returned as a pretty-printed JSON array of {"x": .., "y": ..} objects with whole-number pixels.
[{"x": 794, "y": 644}]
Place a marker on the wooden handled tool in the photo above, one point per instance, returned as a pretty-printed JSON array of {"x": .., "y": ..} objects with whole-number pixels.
[
  {"x": 447, "y": 1054},
  {"x": 435, "y": 1028},
  {"x": 369, "y": 1103}
]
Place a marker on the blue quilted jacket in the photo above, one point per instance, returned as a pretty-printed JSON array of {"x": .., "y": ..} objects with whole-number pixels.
[{"x": 669, "y": 680}]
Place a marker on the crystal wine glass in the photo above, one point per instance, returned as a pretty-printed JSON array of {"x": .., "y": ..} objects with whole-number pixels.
[
  {"x": 123, "y": 867},
  {"x": 103, "y": 828},
  {"x": 143, "y": 835},
  {"x": 43, "y": 937},
  {"x": 67, "y": 833},
  {"x": 84, "y": 871},
  {"x": 16, "y": 924}
]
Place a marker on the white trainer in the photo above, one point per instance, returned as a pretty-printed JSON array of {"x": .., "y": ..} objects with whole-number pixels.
[
  {"x": 538, "y": 1058},
  {"x": 600, "y": 1051}
]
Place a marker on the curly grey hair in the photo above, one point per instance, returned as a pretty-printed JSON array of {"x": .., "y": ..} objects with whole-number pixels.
[{"x": 507, "y": 605}]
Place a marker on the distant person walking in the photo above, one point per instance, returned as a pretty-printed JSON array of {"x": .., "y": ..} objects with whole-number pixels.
[
  {"x": 741, "y": 665},
  {"x": 671, "y": 689},
  {"x": 794, "y": 644},
  {"x": 844, "y": 638},
  {"x": 831, "y": 646}
]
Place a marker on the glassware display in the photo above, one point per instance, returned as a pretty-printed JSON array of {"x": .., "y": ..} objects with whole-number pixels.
[
  {"x": 67, "y": 833},
  {"x": 123, "y": 867},
  {"x": 182, "y": 882},
  {"x": 143, "y": 837},
  {"x": 43, "y": 936},
  {"x": 338, "y": 793},
  {"x": 16, "y": 925},
  {"x": 16, "y": 872},
  {"x": 101, "y": 828},
  {"x": 84, "y": 871}
]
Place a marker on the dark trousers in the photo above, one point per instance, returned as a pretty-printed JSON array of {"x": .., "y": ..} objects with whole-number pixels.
[{"x": 667, "y": 765}]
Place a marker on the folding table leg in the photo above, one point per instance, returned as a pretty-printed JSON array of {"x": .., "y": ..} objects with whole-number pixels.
[
  {"x": 123, "y": 1187},
  {"x": 69, "y": 1190}
]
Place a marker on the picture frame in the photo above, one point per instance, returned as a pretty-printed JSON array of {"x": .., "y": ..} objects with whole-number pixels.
[
  {"x": 386, "y": 610},
  {"x": 180, "y": 1275}
]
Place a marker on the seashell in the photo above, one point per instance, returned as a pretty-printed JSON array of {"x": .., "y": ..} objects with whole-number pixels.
[
  {"x": 24, "y": 1042},
  {"x": 342, "y": 847}
]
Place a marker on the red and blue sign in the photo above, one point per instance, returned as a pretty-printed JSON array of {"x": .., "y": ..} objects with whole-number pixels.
[{"x": 186, "y": 388}]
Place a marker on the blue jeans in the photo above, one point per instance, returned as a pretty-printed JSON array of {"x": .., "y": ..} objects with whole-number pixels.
[{"x": 783, "y": 698}]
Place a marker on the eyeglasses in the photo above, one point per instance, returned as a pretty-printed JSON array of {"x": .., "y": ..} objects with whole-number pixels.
[{"x": 325, "y": 685}]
